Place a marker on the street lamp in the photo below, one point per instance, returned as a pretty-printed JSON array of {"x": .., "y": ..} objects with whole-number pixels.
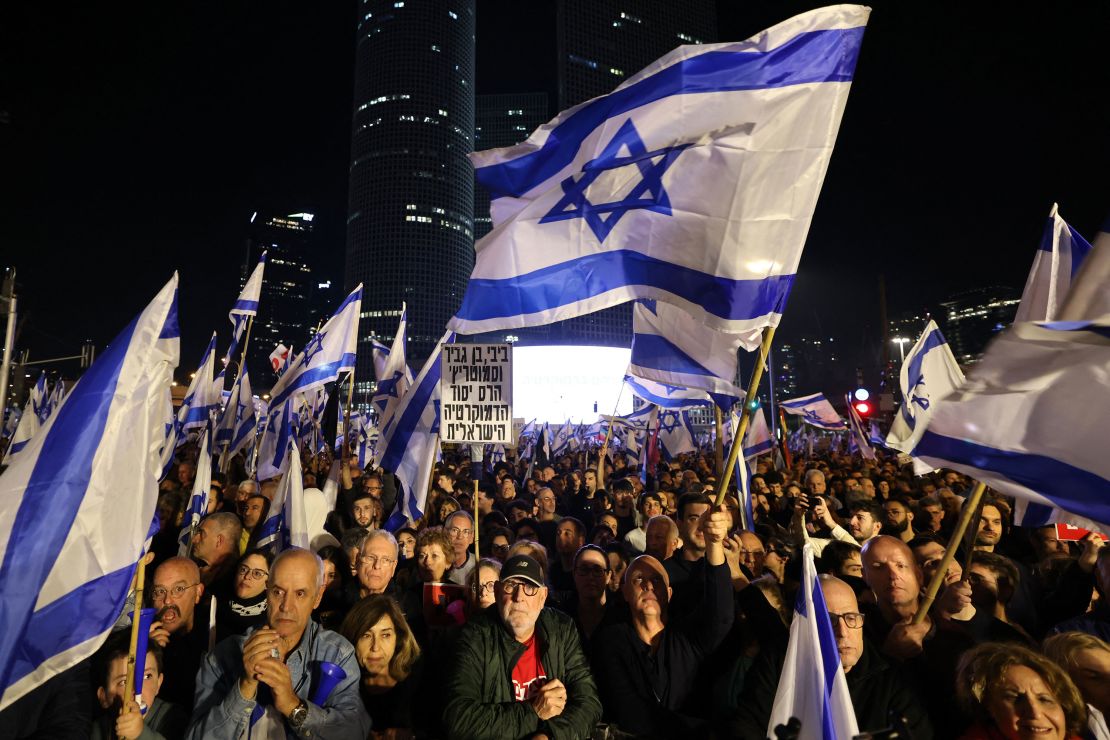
[{"x": 901, "y": 342}]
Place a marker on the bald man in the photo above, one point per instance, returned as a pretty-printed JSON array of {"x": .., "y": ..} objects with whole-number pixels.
[
  {"x": 263, "y": 683},
  {"x": 180, "y": 626},
  {"x": 876, "y": 686}
]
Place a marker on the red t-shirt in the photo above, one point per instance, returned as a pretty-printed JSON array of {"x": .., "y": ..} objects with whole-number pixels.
[{"x": 528, "y": 674}]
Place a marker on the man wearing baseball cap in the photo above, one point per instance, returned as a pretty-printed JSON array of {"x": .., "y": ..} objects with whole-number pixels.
[
  {"x": 520, "y": 671},
  {"x": 646, "y": 666}
]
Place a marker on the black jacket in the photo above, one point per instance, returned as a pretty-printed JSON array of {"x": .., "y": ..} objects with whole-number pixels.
[
  {"x": 876, "y": 686},
  {"x": 480, "y": 702}
]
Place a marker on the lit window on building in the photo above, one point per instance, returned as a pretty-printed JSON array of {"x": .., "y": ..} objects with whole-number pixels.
[
  {"x": 453, "y": 14},
  {"x": 435, "y": 48},
  {"x": 615, "y": 71}
]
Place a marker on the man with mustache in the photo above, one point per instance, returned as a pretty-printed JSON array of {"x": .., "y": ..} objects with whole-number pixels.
[
  {"x": 519, "y": 669},
  {"x": 178, "y": 629},
  {"x": 264, "y": 684}
]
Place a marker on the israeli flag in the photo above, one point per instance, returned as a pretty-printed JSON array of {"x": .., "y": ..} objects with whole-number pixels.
[
  {"x": 670, "y": 347},
  {"x": 561, "y": 441},
  {"x": 757, "y": 440},
  {"x": 815, "y": 411},
  {"x": 238, "y": 420},
  {"x": 666, "y": 396},
  {"x": 29, "y": 422},
  {"x": 393, "y": 375},
  {"x": 273, "y": 447},
  {"x": 1088, "y": 297},
  {"x": 638, "y": 420},
  {"x": 285, "y": 523},
  {"x": 245, "y": 307},
  {"x": 619, "y": 188},
  {"x": 1032, "y": 419},
  {"x": 1058, "y": 259},
  {"x": 330, "y": 352},
  {"x": 812, "y": 686},
  {"x": 202, "y": 399},
  {"x": 198, "y": 500},
  {"x": 77, "y": 504},
  {"x": 929, "y": 373},
  {"x": 676, "y": 433},
  {"x": 40, "y": 399},
  {"x": 744, "y": 487},
  {"x": 857, "y": 437},
  {"x": 411, "y": 444},
  {"x": 54, "y": 400}
]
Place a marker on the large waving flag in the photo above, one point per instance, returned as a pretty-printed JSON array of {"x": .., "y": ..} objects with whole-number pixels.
[
  {"x": 929, "y": 373},
  {"x": 330, "y": 352},
  {"x": 273, "y": 446},
  {"x": 816, "y": 411},
  {"x": 410, "y": 445},
  {"x": 670, "y": 347},
  {"x": 812, "y": 686},
  {"x": 1032, "y": 419},
  {"x": 202, "y": 398},
  {"x": 393, "y": 374},
  {"x": 245, "y": 307},
  {"x": 77, "y": 505},
  {"x": 666, "y": 396},
  {"x": 1058, "y": 259},
  {"x": 676, "y": 433},
  {"x": 623, "y": 191},
  {"x": 238, "y": 421},
  {"x": 1088, "y": 297}
]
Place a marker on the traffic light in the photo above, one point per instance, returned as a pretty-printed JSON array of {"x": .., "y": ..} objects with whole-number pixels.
[
  {"x": 753, "y": 404},
  {"x": 863, "y": 408}
]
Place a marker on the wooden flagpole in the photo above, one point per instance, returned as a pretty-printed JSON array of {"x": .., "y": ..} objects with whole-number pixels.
[
  {"x": 346, "y": 452},
  {"x": 968, "y": 513},
  {"x": 718, "y": 442},
  {"x": 608, "y": 436},
  {"x": 129, "y": 686},
  {"x": 745, "y": 416}
]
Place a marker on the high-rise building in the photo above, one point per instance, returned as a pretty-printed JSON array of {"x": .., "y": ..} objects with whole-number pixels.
[
  {"x": 410, "y": 204},
  {"x": 288, "y": 289},
  {"x": 972, "y": 318},
  {"x": 786, "y": 371}
]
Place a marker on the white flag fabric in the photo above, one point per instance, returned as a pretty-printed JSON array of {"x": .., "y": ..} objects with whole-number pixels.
[
  {"x": 198, "y": 500},
  {"x": 393, "y": 375},
  {"x": 929, "y": 373},
  {"x": 620, "y": 189},
  {"x": 815, "y": 411},
  {"x": 30, "y": 422},
  {"x": 286, "y": 510},
  {"x": 1088, "y": 297},
  {"x": 273, "y": 446},
  {"x": 676, "y": 433},
  {"x": 202, "y": 398},
  {"x": 76, "y": 506},
  {"x": 238, "y": 422},
  {"x": 561, "y": 440},
  {"x": 410, "y": 446},
  {"x": 1032, "y": 419},
  {"x": 330, "y": 352},
  {"x": 1058, "y": 259},
  {"x": 245, "y": 307},
  {"x": 812, "y": 686},
  {"x": 669, "y": 346}
]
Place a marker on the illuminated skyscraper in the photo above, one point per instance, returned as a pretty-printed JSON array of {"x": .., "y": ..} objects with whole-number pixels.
[{"x": 410, "y": 203}]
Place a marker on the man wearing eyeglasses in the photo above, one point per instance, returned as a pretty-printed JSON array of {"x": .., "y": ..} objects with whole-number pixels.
[
  {"x": 178, "y": 629},
  {"x": 460, "y": 530},
  {"x": 519, "y": 670},
  {"x": 877, "y": 687}
]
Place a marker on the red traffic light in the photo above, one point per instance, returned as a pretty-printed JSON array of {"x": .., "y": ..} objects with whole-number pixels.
[{"x": 863, "y": 408}]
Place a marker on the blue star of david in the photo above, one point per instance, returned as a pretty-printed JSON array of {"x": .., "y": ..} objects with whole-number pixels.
[
  {"x": 314, "y": 346},
  {"x": 922, "y": 401},
  {"x": 668, "y": 422},
  {"x": 811, "y": 415},
  {"x": 648, "y": 194},
  {"x": 435, "y": 424}
]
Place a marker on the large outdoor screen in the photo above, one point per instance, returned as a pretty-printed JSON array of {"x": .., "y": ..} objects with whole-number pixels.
[{"x": 577, "y": 383}]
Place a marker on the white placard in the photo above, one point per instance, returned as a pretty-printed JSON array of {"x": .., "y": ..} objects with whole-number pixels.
[{"x": 476, "y": 394}]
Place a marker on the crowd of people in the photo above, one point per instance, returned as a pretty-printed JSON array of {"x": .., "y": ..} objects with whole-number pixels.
[{"x": 624, "y": 604}]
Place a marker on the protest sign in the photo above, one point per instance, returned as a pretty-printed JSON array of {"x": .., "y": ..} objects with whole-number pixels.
[{"x": 477, "y": 394}]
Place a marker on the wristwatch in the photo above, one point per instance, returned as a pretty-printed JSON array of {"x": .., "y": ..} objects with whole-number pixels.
[{"x": 298, "y": 716}]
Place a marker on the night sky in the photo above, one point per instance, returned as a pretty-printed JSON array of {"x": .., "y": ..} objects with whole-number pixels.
[{"x": 139, "y": 140}]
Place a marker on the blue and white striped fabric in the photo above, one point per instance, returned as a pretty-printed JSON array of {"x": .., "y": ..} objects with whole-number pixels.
[
  {"x": 670, "y": 347},
  {"x": 666, "y": 396},
  {"x": 238, "y": 421},
  {"x": 560, "y": 442},
  {"x": 198, "y": 499},
  {"x": 858, "y": 439},
  {"x": 410, "y": 446},
  {"x": 202, "y": 398},
  {"x": 392, "y": 372},
  {"x": 744, "y": 487},
  {"x": 812, "y": 686},
  {"x": 285, "y": 521},
  {"x": 929, "y": 373},
  {"x": 11, "y": 421},
  {"x": 76, "y": 506},
  {"x": 620, "y": 189},
  {"x": 30, "y": 422},
  {"x": 273, "y": 447},
  {"x": 330, "y": 352},
  {"x": 40, "y": 399},
  {"x": 1032, "y": 419},
  {"x": 54, "y": 400},
  {"x": 1057, "y": 262},
  {"x": 816, "y": 411},
  {"x": 1088, "y": 297},
  {"x": 676, "y": 433},
  {"x": 245, "y": 307},
  {"x": 757, "y": 440}
]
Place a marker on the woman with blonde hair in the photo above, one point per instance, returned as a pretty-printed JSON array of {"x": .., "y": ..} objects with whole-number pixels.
[
  {"x": 389, "y": 658},
  {"x": 1086, "y": 658},
  {"x": 1012, "y": 693}
]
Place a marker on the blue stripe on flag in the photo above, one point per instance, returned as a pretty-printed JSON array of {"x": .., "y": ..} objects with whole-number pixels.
[
  {"x": 799, "y": 402},
  {"x": 315, "y": 375},
  {"x": 595, "y": 274},
  {"x": 830, "y": 658},
  {"x": 1074, "y": 489},
  {"x": 170, "y": 329},
  {"x": 659, "y": 353},
  {"x": 1080, "y": 248},
  {"x": 245, "y": 306},
  {"x": 812, "y": 57},
  {"x": 54, "y": 493},
  {"x": 398, "y": 441},
  {"x": 80, "y": 615}
]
